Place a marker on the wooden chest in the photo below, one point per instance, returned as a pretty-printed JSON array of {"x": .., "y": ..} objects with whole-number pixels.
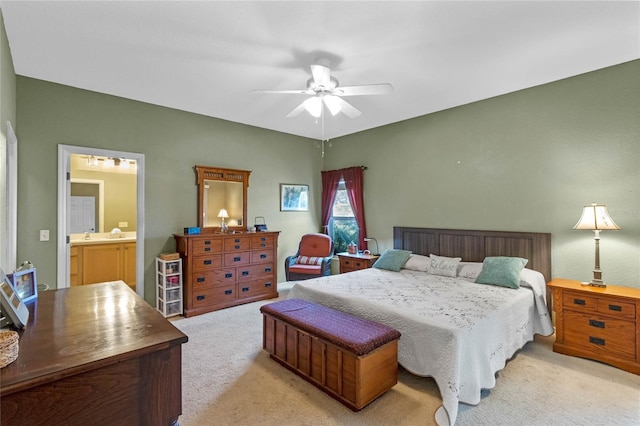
[
  {"x": 222, "y": 270},
  {"x": 598, "y": 323},
  {"x": 328, "y": 359}
]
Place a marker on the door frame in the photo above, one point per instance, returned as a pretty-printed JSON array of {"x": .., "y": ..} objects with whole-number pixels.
[{"x": 64, "y": 198}]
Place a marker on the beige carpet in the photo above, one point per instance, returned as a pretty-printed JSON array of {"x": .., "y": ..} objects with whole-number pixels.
[{"x": 229, "y": 380}]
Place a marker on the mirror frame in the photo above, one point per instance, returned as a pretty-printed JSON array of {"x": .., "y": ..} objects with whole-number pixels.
[{"x": 225, "y": 175}]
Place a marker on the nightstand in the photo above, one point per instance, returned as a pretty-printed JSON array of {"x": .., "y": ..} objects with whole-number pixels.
[
  {"x": 354, "y": 262},
  {"x": 602, "y": 324}
]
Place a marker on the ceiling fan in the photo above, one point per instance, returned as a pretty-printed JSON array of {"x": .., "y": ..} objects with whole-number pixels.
[{"x": 326, "y": 91}]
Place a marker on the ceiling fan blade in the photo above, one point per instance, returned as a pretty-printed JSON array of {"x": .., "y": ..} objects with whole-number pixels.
[
  {"x": 348, "y": 109},
  {"x": 367, "y": 89},
  {"x": 294, "y": 92},
  {"x": 321, "y": 75},
  {"x": 297, "y": 110}
]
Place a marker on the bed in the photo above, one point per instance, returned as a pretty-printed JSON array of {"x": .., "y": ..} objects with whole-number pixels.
[{"x": 456, "y": 331}]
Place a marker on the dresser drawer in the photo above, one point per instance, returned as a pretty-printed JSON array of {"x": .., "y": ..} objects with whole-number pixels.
[
  {"x": 599, "y": 334},
  {"x": 617, "y": 308},
  {"x": 206, "y": 246},
  {"x": 213, "y": 277},
  {"x": 237, "y": 244},
  {"x": 214, "y": 296},
  {"x": 205, "y": 263},
  {"x": 580, "y": 301},
  {"x": 255, "y": 287},
  {"x": 251, "y": 272},
  {"x": 262, "y": 256},
  {"x": 263, "y": 241},
  {"x": 237, "y": 258}
]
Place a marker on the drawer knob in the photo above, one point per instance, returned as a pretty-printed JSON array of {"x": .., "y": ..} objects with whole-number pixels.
[
  {"x": 579, "y": 302},
  {"x": 236, "y": 246},
  {"x": 207, "y": 249},
  {"x": 207, "y": 262},
  {"x": 228, "y": 275},
  {"x": 263, "y": 256},
  {"x": 598, "y": 324},
  {"x": 596, "y": 341},
  {"x": 201, "y": 297},
  {"x": 237, "y": 240},
  {"x": 245, "y": 273},
  {"x": 228, "y": 291},
  {"x": 237, "y": 259},
  {"x": 267, "y": 284},
  {"x": 245, "y": 289},
  {"x": 616, "y": 308},
  {"x": 267, "y": 269},
  {"x": 357, "y": 263},
  {"x": 207, "y": 242},
  {"x": 200, "y": 279}
]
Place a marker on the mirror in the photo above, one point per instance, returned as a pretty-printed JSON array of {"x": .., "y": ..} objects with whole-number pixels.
[{"x": 222, "y": 190}]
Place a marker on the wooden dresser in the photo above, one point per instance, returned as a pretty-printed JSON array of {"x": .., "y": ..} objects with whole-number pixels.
[
  {"x": 222, "y": 270},
  {"x": 598, "y": 323},
  {"x": 354, "y": 262},
  {"x": 95, "y": 354}
]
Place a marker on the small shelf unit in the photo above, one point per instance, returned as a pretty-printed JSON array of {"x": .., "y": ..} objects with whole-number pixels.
[{"x": 169, "y": 287}]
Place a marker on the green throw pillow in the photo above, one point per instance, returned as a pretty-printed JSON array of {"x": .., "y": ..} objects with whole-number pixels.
[
  {"x": 392, "y": 259},
  {"x": 502, "y": 271}
]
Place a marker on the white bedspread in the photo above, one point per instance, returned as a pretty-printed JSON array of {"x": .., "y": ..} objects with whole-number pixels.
[{"x": 458, "y": 332}]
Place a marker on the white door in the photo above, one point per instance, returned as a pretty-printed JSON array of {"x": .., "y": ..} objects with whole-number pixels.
[{"x": 82, "y": 214}]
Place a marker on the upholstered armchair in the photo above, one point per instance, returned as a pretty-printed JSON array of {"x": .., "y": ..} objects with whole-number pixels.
[{"x": 312, "y": 260}]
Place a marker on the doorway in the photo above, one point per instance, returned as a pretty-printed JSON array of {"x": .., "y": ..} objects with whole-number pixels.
[{"x": 64, "y": 209}]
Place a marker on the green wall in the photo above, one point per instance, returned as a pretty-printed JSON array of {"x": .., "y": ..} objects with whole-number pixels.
[
  {"x": 172, "y": 142},
  {"x": 526, "y": 161}
]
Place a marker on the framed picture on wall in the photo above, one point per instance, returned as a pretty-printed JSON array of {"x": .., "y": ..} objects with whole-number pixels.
[
  {"x": 294, "y": 198},
  {"x": 25, "y": 284}
]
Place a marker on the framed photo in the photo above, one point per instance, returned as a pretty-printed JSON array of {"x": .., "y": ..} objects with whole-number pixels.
[
  {"x": 294, "y": 198},
  {"x": 12, "y": 306},
  {"x": 25, "y": 284}
]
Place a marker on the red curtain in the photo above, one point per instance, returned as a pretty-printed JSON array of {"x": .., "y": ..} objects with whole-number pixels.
[
  {"x": 353, "y": 180},
  {"x": 330, "y": 182}
]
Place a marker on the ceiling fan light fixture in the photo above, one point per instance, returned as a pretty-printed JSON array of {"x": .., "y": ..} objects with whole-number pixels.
[
  {"x": 332, "y": 104},
  {"x": 313, "y": 106}
]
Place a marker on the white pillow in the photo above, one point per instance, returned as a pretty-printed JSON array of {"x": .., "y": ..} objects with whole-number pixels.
[
  {"x": 418, "y": 262},
  {"x": 445, "y": 266},
  {"x": 469, "y": 270}
]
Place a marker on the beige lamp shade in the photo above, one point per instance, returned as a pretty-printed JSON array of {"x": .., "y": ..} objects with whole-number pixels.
[
  {"x": 596, "y": 218},
  {"x": 223, "y": 213}
]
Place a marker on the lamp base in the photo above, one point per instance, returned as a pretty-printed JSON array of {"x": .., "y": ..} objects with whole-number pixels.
[{"x": 597, "y": 283}]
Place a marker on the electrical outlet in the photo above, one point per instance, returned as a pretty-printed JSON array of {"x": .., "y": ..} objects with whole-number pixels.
[
  {"x": 123, "y": 224},
  {"x": 44, "y": 235}
]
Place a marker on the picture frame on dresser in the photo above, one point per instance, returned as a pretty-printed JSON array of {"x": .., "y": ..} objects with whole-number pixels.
[
  {"x": 11, "y": 304},
  {"x": 25, "y": 284},
  {"x": 294, "y": 198}
]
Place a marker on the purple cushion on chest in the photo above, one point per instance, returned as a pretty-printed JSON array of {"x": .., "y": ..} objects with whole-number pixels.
[{"x": 357, "y": 335}]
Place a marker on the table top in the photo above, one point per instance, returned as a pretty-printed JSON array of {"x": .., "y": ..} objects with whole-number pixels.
[
  {"x": 78, "y": 329},
  {"x": 358, "y": 255},
  {"x": 610, "y": 290}
]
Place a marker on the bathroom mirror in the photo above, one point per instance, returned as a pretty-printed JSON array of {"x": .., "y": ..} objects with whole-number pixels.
[{"x": 222, "y": 198}]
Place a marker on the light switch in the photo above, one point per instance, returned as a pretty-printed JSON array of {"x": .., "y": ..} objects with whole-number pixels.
[{"x": 44, "y": 235}]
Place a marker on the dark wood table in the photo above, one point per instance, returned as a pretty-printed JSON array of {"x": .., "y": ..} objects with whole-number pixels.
[{"x": 96, "y": 354}]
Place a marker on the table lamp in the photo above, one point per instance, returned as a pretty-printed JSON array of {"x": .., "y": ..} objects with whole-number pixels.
[
  {"x": 375, "y": 253},
  {"x": 223, "y": 225},
  {"x": 596, "y": 218}
]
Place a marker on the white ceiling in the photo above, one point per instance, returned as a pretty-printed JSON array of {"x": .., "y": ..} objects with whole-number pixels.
[{"x": 208, "y": 56}]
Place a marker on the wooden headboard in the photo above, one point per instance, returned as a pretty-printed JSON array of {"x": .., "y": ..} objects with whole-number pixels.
[{"x": 474, "y": 246}]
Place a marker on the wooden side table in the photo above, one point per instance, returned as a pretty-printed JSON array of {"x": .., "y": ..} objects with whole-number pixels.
[
  {"x": 602, "y": 324},
  {"x": 354, "y": 262}
]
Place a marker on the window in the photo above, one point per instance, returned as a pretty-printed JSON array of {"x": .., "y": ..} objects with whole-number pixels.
[{"x": 343, "y": 227}]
